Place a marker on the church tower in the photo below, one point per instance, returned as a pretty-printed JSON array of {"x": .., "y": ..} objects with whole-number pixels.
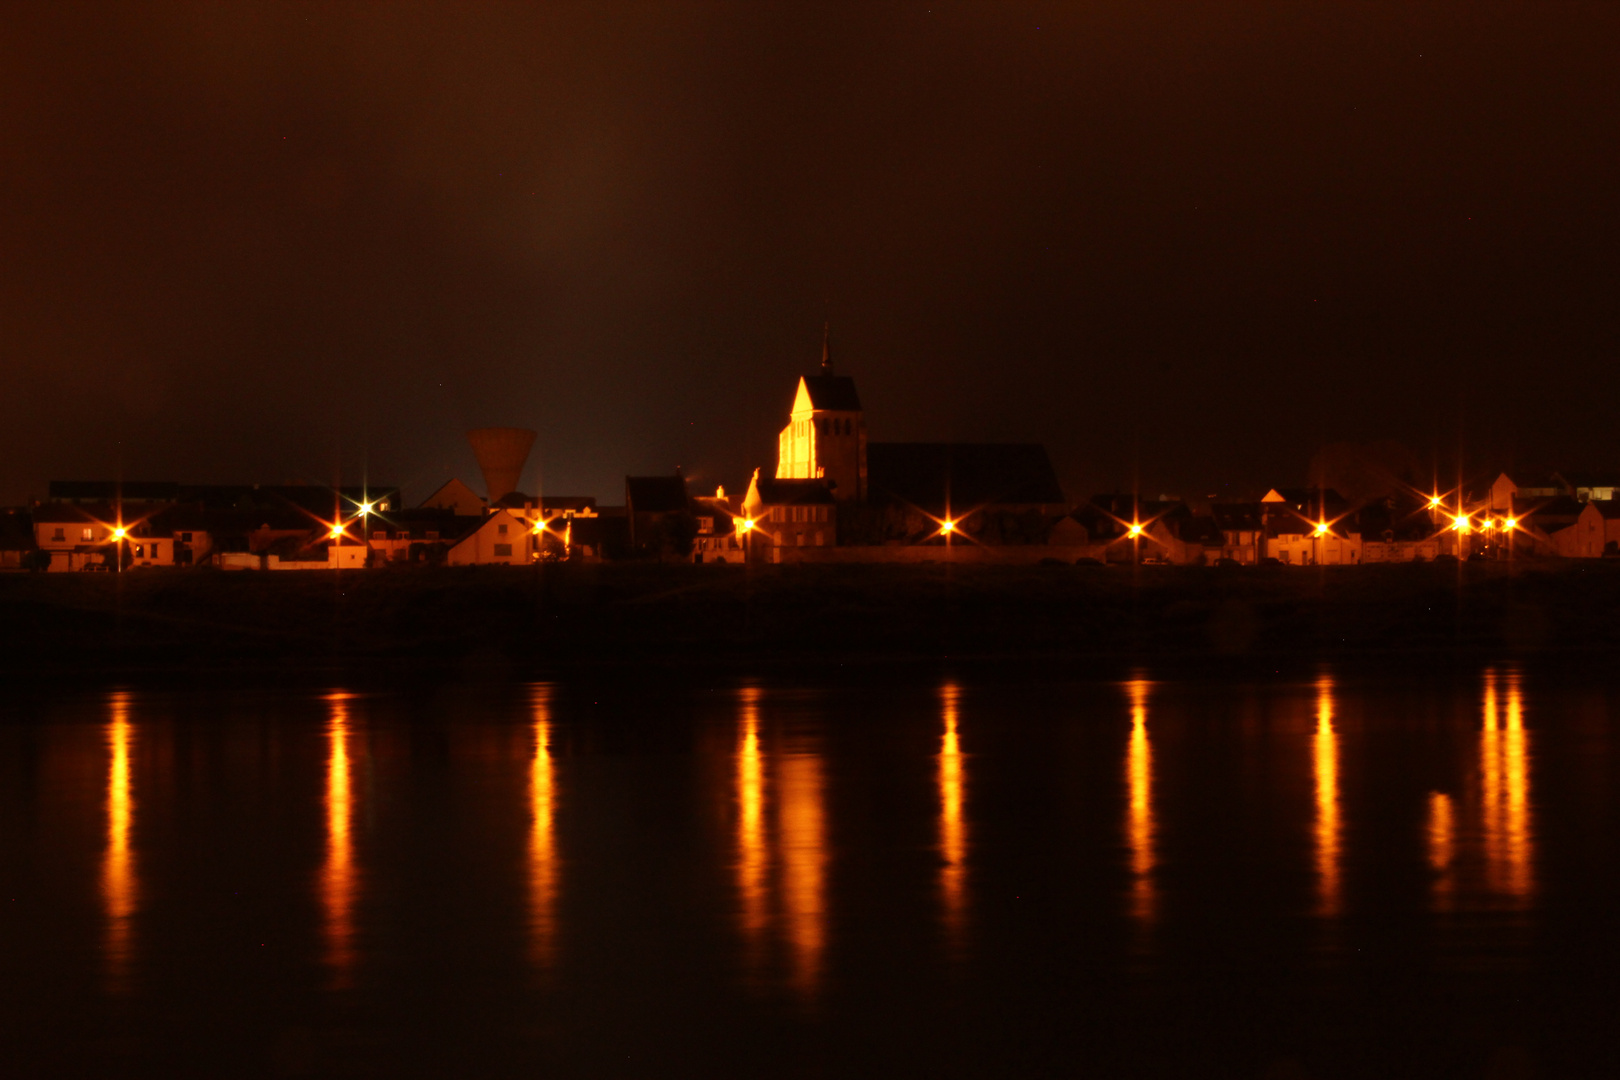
[{"x": 826, "y": 435}]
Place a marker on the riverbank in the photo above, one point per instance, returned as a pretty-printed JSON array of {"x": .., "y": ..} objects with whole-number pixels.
[{"x": 532, "y": 618}]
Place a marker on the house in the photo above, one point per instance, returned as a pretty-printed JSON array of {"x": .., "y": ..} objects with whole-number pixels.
[
  {"x": 17, "y": 544},
  {"x": 456, "y": 497},
  {"x": 826, "y": 433},
  {"x": 660, "y": 515},
  {"x": 75, "y": 536},
  {"x": 421, "y": 535},
  {"x": 1239, "y": 525},
  {"x": 1595, "y": 532},
  {"x": 996, "y": 493},
  {"x": 1589, "y": 486},
  {"x": 501, "y": 538},
  {"x": 112, "y": 492},
  {"x": 717, "y": 540},
  {"x": 1400, "y": 529},
  {"x": 552, "y": 511},
  {"x": 1145, "y": 530},
  {"x": 794, "y": 513}
]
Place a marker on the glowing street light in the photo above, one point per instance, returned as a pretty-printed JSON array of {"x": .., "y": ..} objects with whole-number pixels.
[
  {"x": 365, "y": 508},
  {"x": 1510, "y": 523},
  {"x": 1434, "y": 502},
  {"x": 746, "y": 525},
  {"x": 119, "y": 533},
  {"x": 947, "y": 526},
  {"x": 336, "y": 533},
  {"x": 1462, "y": 524},
  {"x": 1321, "y": 529},
  {"x": 1134, "y": 530}
]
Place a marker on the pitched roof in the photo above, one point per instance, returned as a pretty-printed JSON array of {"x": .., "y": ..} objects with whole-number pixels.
[
  {"x": 1241, "y": 516},
  {"x": 800, "y": 492},
  {"x": 833, "y": 392},
  {"x": 108, "y": 490},
  {"x": 964, "y": 475},
  {"x": 655, "y": 494}
]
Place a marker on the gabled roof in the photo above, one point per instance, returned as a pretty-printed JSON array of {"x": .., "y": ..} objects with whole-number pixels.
[
  {"x": 1589, "y": 478},
  {"x": 567, "y": 502},
  {"x": 109, "y": 490},
  {"x": 655, "y": 494},
  {"x": 775, "y": 492},
  {"x": 832, "y": 393},
  {"x": 1241, "y": 516},
  {"x": 961, "y": 476},
  {"x": 453, "y": 495}
]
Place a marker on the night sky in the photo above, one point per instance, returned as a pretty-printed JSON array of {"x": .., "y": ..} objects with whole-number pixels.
[{"x": 1195, "y": 241}]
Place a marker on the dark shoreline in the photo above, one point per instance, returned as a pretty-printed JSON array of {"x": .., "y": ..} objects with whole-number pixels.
[{"x": 720, "y": 619}]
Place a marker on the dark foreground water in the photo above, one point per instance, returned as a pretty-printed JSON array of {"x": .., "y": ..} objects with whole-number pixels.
[{"x": 1330, "y": 876}]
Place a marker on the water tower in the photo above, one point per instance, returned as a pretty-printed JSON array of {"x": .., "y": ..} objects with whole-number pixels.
[{"x": 501, "y": 453}]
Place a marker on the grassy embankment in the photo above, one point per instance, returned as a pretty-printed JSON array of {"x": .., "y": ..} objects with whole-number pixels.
[{"x": 572, "y": 614}]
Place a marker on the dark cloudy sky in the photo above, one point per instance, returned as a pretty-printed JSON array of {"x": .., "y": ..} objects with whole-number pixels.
[{"x": 263, "y": 242}]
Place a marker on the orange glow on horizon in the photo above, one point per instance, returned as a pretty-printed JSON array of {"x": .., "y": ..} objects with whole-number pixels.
[
  {"x": 1325, "y": 758},
  {"x": 1140, "y": 827},
  {"x": 953, "y": 839},
  {"x": 339, "y": 884},
  {"x": 543, "y": 868},
  {"x": 119, "y": 888}
]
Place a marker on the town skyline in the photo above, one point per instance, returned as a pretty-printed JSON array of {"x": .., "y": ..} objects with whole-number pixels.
[{"x": 1196, "y": 246}]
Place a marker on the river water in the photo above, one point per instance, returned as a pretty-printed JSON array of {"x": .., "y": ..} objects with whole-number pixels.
[{"x": 1295, "y": 876}]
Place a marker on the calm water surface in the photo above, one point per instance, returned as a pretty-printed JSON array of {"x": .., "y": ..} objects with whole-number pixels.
[{"x": 1330, "y": 876}]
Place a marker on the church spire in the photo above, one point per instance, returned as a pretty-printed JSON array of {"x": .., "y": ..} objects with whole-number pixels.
[{"x": 826, "y": 348}]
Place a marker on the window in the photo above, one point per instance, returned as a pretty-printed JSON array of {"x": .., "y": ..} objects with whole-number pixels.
[
  {"x": 59, "y": 535},
  {"x": 501, "y": 529},
  {"x": 503, "y": 551},
  {"x": 185, "y": 538},
  {"x": 87, "y": 534},
  {"x": 379, "y": 534},
  {"x": 140, "y": 551}
]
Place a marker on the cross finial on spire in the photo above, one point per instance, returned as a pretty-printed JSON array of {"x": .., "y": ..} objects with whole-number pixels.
[{"x": 826, "y": 348}]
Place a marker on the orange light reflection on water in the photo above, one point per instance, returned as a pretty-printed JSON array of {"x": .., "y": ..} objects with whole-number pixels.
[
  {"x": 952, "y": 827},
  {"x": 1504, "y": 749},
  {"x": 543, "y": 868},
  {"x": 1325, "y": 759},
  {"x": 119, "y": 888},
  {"x": 803, "y": 830},
  {"x": 339, "y": 883},
  {"x": 753, "y": 854},
  {"x": 1442, "y": 847},
  {"x": 1140, "y": 827}
]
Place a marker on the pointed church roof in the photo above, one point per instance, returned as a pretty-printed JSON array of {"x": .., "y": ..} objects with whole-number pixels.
[{"x": 834, "y": 393}]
